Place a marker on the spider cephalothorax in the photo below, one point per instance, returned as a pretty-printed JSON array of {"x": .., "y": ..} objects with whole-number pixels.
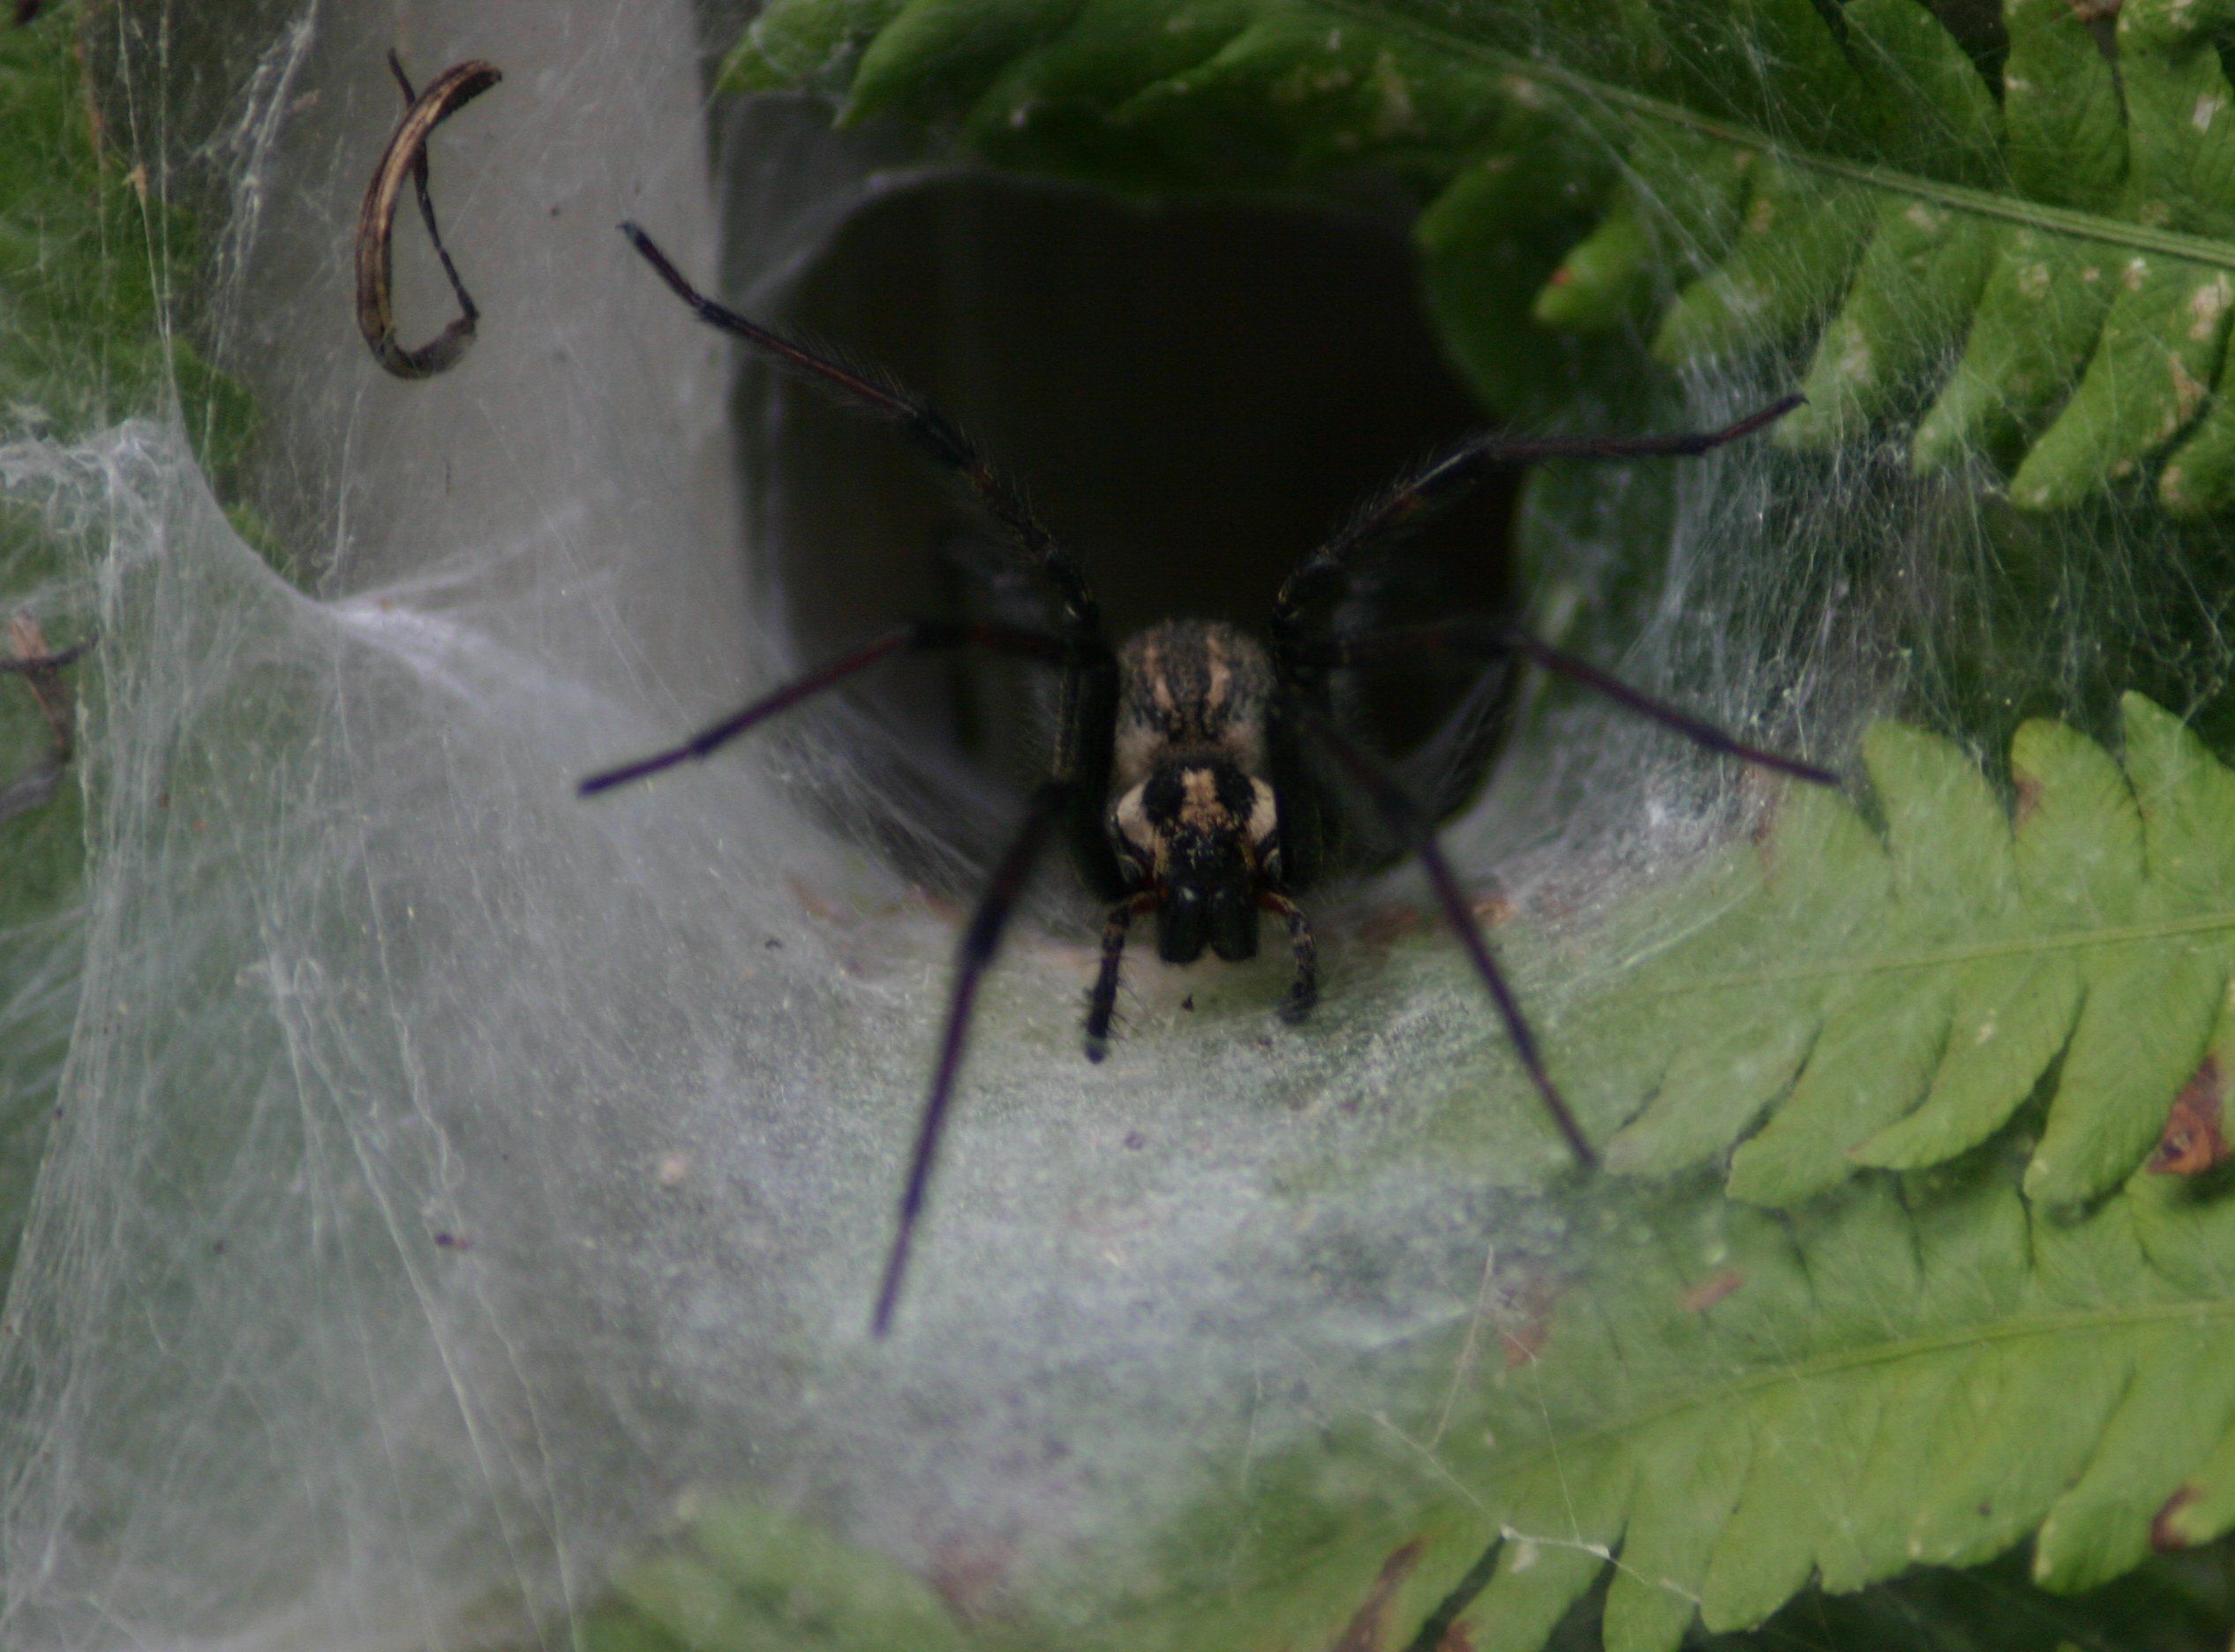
[
  {"x": 1197, "y": 823},
  {"x": 1179, "y": 778}
]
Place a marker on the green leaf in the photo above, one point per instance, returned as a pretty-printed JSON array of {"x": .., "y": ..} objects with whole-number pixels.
[
  {"x": 1732, "y": 1409},
  {"x": 1893, "y": 1002},
  {"x": 799, "y": 44},
  {"x": 935, "y": 56},
  {"x": 1800, "y": 238},
  {"x": 2044, "y": 1403},
  {"x": 2039, "y": 280},
  {"x": 751, "y": 1577},
  {"x": 86, "y": 265}
]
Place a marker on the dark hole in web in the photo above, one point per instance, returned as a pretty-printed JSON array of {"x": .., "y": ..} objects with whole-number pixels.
[{"x": 1192, "y": 396}]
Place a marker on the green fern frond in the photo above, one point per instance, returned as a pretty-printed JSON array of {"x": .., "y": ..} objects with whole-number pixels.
[
  {"x": 1954, "y": 1337},
  {"x": 1920, "y": 1370},
  {"x": 1927, "y": 1371},
  {"x": 2077, "y": 360},
  {"x": 2043, "y": 279},
  {"x": 1881, "y": 1280},
  {"x": 1834, "y": 999}
]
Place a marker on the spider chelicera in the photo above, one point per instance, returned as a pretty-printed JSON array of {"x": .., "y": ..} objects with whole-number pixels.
[{"x": 1187, "y": 777}]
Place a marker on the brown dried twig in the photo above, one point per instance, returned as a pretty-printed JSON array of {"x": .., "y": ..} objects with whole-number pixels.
[
  {"x": 407, "y": 154},
  {"x": 40, "y": 669}
]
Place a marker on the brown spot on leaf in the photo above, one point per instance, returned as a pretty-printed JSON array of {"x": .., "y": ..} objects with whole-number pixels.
[
  {"x": 1760, "y": 799},
  {"x": 2164, "y": 1536},
  {"x": 1455, "y": 1639},
  {"x": 2193, "y": 1142},
  {"x": 2028, "y": 800},
  {"x": 1364, "y": 1632},
  {"x": 1494, "y": 908},
  {"x": 1532, "y": 1302},
  {"x": 1711, "y": 1291},
  {"x": 816, "y": 904},
  {"x": 1388, "y": 925},
  {"x": 971, "y": 1574},
  {"x": 938, "y": 905}
]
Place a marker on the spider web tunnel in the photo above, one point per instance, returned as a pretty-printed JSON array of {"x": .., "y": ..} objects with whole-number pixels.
[
  {"x": 498, "y": 1165},
  {"x": 1191, "y": 395}
]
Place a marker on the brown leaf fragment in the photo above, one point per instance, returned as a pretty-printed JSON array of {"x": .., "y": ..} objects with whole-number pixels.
[
  {"x": 1761, "y": 800},
  {"x": 42, "y": 673},
  {"x": 1532, "y": 1299},
  {"x": 2164, "y": 1536},
  {"x": 406, "y": 159},
  {"x": 1711, "y": 1291},
  {"x": 29, "y": 658},
  {"x": 1363, "y": 1632},
  {"x": 1383, "y": 928},
  {"x": 971, "y": 1574},
  {"x": 2028, "y": 803},
  {"x": 2193, "y": 1142}
]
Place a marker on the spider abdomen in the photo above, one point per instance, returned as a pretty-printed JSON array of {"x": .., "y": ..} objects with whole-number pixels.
[{"x": 1191, "y": 686}]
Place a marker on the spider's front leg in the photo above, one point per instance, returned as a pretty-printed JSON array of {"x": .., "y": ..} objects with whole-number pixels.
[
  {"x": 1380, "y": 788},
  {"x": 1304, "y": 991},
  {"x": 1102, "y": 1002}
]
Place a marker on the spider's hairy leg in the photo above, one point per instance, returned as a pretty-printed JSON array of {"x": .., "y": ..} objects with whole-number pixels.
[
  {"x": 1102, "y": 1002},
  {"x": 918, "y": 636},
  {"x": 1304, "y": 991},
  {"x": 1405, "y": 818},
  {"x": 980, "y": 943},
  {"x": 932, "y": 430},
  {"x": 1487, "y": 640},
  {"x": 1413, "y": 500}
]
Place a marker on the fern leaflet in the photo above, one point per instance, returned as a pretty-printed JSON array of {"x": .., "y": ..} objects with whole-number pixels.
[
  {"x": 1921, "y": 1370},
  {"x": 1894, "y": 1003},
  {"x": 2041, "y": 278}
]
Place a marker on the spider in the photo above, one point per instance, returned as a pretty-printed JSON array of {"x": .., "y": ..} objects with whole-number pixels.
[{"x": 1187, "y": 778}]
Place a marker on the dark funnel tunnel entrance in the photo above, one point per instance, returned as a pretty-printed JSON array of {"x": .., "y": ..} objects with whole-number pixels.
[{"x": 1191, "y": 396}]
